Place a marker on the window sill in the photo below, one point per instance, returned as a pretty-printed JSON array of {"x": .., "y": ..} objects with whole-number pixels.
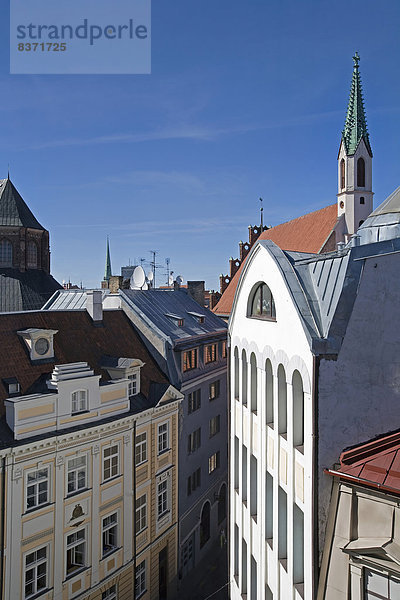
[
  {"x": 141, "y": 463},
  {"x": 38, "y": 594},
  {"x": 113, "y": 478},
  {"x": 270, "y": 424},
  {"x": 254, "y": 517},
  {"x": 283, "y": 562},
  {"x": 77, "y": 492},
  {"x": 262, "y": 318},
  {"x": 283, "y": 434},
  {"x": 163, "y": 515},
  {"x": 300, "y": 449},
  {"x": 76, "y": 572},
  {"x": 163, "y": 451},
  {"x": 270, "y": 542},
  {"x": 299, "y": 587},
  {"x": 141, "y": 594},
  {"x": 79, "y": 412},
  {"x": 109, "y": 552},
  {"x": 142, "y": 530},
  {"x": 33, "y": 509}
]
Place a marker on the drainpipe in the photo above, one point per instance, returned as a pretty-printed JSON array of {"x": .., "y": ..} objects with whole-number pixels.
[
  {"x": 3, "y": 513},
  {"x": 134, "y": 503},
  {"x": 315, "y": 463}
]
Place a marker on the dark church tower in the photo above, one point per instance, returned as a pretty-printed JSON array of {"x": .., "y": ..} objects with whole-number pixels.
[{"x": 25, "y": 282}]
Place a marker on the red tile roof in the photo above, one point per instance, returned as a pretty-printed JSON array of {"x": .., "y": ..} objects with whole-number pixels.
[
  {"x": 78, "y": 339},
  {"x": 374, "y": 464},
  {"x": 308, "y": 233}
]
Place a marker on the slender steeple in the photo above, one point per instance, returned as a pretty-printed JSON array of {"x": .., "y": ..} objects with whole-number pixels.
[
  {"x": 355, "y": 127},
  {"x": 108, "y": 272}
]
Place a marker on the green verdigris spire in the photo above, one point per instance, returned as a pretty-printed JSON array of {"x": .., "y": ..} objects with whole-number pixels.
[
  {"x": 355, "y": 127},
  {"x": 107, "y": 272}
]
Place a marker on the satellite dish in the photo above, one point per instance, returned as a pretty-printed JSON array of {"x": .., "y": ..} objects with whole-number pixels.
[
  {"x": 150, "y": 276},
  {"x": 179, "y": 279},
  {"x": 138, "y": 278}
]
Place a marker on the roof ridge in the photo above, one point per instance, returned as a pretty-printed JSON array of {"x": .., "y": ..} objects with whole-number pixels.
[
  {"x": 313, "y": 212},
  {"x": 377, "y": 446}
]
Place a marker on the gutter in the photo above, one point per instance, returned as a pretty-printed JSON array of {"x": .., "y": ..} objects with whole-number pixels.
[
  {"x": 2, "y": 517},
  {"x": 365, "y": 482},
  {"x": 315, "y": 453}
]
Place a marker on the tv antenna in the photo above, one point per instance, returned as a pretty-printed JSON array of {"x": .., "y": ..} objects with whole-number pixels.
[{"x": 154, "y": 265}]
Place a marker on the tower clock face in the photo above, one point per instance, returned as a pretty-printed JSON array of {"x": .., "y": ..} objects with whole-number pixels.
[{"x": 41, "y": 346}]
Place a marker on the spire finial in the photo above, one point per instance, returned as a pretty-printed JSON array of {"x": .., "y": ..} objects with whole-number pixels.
[
  {"x": 108, "y": 272},
  {"x": 8, "y": 171},
  {"x": 261, "y": 213},
  {"x": 356, "y": 59},
  {"x": 355, "y": 127}
]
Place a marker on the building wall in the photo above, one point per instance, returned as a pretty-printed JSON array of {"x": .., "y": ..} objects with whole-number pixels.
[
  {"x": 365, "y": 376},
  {"x": 257, "y": 524},
  {"x": 49, "y": 524}
]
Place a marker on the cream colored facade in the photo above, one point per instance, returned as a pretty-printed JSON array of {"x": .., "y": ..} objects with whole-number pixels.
[{"x": 71, "y": 510}]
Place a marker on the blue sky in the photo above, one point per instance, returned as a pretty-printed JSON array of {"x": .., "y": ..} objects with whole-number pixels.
[{"x": 245, "y": 99}]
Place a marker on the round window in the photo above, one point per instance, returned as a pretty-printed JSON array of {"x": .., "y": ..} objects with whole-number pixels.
[{"x": 41, "y": 346}]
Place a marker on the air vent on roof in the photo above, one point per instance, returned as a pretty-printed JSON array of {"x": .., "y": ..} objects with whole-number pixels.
[
  {"x": 176, "y": 319},
  {"x": 199, "y": 317}
]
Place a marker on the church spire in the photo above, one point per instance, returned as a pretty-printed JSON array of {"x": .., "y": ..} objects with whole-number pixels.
[
  {"x": 355, "y": 127},
  {"x": 108, "y": 272}
]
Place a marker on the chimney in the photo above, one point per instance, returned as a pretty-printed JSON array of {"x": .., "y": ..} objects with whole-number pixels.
[
  {"x": 196, "y": 291},
  {"x": 94, "y": 305}
]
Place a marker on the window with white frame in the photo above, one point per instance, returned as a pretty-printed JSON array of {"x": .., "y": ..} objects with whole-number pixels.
[
  {"x": 110, "y": 534},
  {"x": 37, "y": 488},
  {"x": 141, "y": 448},
  {"x": 132, "y": 384},
  {"x": 141, "y": 514},
  {"x": 163, "y": 443},
  {"x": 110, "y": 462},
  {"x": 76, "y": 551},
  {"x": 36, "y": 572},
  {"x": 79, "y": 401},
  {"x": 77, "y": 474},
  {"x": 140, "y": 579},
  {"x": 162, "y": 498},
  {"x": 110, "y": 594}
]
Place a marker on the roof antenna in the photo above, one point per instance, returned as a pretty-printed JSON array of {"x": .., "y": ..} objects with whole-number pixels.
[{"x": 261, "y": 212}]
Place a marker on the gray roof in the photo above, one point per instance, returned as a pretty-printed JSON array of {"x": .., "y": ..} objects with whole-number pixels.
[
  {"x": 384, "y": 222},
  {"x": 156, "y": 305},
  {"x": 27, "y": 290},
  {"x": 69, "y": 300},
  {"x": 13, "y": 210}
]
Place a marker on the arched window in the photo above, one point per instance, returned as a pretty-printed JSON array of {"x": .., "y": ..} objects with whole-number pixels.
[
  {"x": 236, "y": 374},
  {"x": 362, "y": 200},
  {"x": 244, "y": 378},
  {"x": 269, "y": 393},
  {"x": 253, "y": 382},
  {"x": 342, "y": 174},
  {"x": 205, "y": 524},
  {"x": 298, "y": 409},
  {"x": 5, "y": 253},
  {"x": 360, "y": 172},
  {"x": 262, "y": 305},
  {"x": 222, "y": 504},
  {"x": 361, "y": 222},
  {"x": 32, "y": 255},
  {"x": 282, "y": 401}
]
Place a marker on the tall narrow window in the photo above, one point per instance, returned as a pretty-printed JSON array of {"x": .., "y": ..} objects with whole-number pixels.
[
  {"x": 253, "y": 569},
  {"x": 236, "y": 467},
  {"x": 236, "y": 560},
  {"x": 269, "y": 506},
  {"x": 253, "y": 382},
  {"x": 298, "y": 545},
  {"x": 236, "y": 374},
  {"x": 5, "y": 253},
  {"x": 205, "y": 524},
  {"x": 361, "y": 172},
  {"x": 269, "y": 393},
  {"x": 244, "y": 378},
  {"x": 282, "y": 401},
  {"x": 36, "y": 568},
  {"x": 244, "y": 474},
  {"x": 282, "y": 524},
  {"x": 32, "y": 255},
  {"x": 253, "y": 487},
  {"x": 342, "y": 174},
  {"x": 298, "y": 409},
  {"x": 244, "y": 567}
]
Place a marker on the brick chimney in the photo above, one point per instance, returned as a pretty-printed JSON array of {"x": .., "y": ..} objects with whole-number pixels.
[{"x": 196, "y": 291}]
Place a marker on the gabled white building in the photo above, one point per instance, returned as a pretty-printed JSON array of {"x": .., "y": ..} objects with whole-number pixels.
[{"x": 312, "y": 348}]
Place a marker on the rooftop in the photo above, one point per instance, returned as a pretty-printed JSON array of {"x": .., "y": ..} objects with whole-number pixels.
[
  {"x": 13, "y": 210},
  {"x": 373, "y": 464},
  {"x": 308, "y": 233}
]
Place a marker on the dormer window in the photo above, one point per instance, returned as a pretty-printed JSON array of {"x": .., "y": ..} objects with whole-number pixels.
[
  {"x": 124, "y": 368},
  {"x": 198, "y": 316},
  {"x": 176, "y": 319},
  {"x": 39, "y": 343},
  {"x": 261, "y": 303},
  {"x": 79, "y": 401},
  {"x": 132, "y": 385},
  {"x": 12, "y": 386}
]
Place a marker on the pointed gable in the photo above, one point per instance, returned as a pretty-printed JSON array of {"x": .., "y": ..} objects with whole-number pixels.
[{"x": 13, "y": 210}]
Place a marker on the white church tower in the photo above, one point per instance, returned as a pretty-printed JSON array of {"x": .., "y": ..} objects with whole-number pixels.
[{"x": 355, "y": 161}]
